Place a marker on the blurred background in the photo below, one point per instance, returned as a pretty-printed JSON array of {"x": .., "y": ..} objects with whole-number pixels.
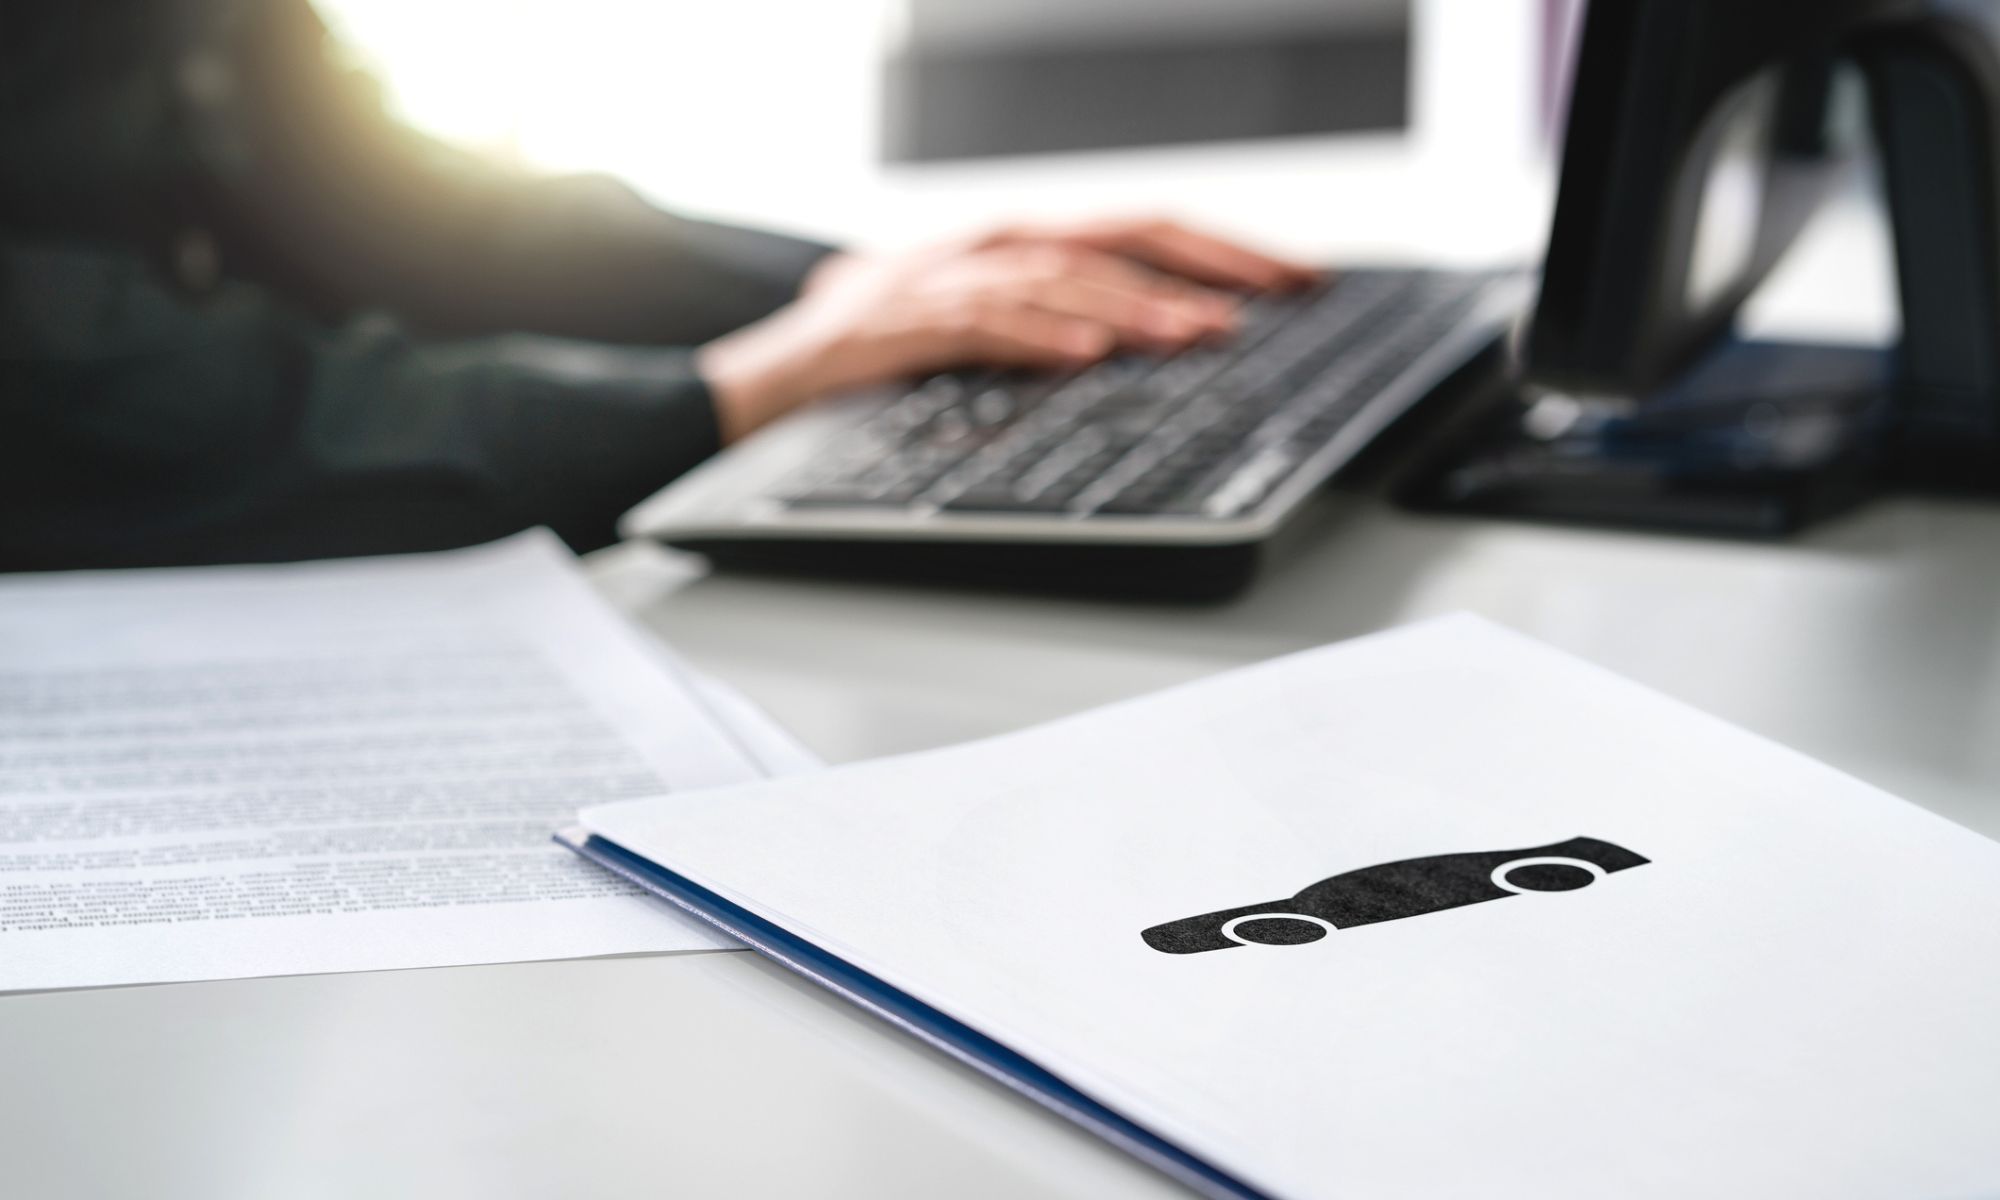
[{"x": 824, "y": 115}]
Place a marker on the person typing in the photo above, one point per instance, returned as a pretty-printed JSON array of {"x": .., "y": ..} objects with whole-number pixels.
[{"x": 248, "y": 316}]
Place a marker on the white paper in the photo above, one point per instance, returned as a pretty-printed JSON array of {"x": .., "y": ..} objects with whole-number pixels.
[
  {"x": 768, "y": 744},
  {"x": 1793, "y": 996},
  {"x": 224, "y": 772}
]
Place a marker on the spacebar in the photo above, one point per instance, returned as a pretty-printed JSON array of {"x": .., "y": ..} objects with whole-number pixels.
[{"x": 846, "y": 498}]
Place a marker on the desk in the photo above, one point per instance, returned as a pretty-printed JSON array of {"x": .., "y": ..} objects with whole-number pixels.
[{"x": 1873, "y": 644}]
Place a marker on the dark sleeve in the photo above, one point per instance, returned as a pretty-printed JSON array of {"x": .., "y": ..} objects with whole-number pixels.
[
  {"x": 229, "y": 136},
  {"x": 235, "y": 431}
]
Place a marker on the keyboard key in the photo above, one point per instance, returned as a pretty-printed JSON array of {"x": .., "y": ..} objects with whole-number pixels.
[
  {"x": 1245, "y": 487},
  {"x": 1158, "y": 490},
  {"x": 1005, "y": 500},
  {"x": 994, "y": 406},
  {"x": 843, "y": 496},
  {"x": 1056, "y": 494}
]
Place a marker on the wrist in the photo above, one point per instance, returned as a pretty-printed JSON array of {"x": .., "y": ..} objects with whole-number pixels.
[
  {"x": 754, "y": 376},
  {"x": 826, "y": 271}
]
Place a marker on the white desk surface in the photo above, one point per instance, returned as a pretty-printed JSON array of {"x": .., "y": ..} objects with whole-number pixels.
[{"x": 1873, "y": 644}]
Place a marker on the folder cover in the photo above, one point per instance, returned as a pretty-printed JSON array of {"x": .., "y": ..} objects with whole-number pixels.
[
  {"x": 1435, "y": 912},
  {"x": 907, "y": 1013}
]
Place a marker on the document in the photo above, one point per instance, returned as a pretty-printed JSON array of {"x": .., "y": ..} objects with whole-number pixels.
[
  {"x": 1439, "y": 912},
  {"x": 223, "y": 772},
  {"x": 770, "y": 746}
]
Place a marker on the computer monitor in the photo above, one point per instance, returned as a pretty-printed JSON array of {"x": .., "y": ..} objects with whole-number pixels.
[
  {"x": 1687, "y": 172},
  {"x": 1696, "y": 150}
]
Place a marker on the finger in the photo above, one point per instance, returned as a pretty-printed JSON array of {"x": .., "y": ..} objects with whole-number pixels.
[
  {"x": 1141, "y": 305},
  {"x": 1203, "y": 257},
  {"x": 1115, "y": 273},
  {"x": 1021, "y": 335},
  {"x": 1135, "y": 313}
]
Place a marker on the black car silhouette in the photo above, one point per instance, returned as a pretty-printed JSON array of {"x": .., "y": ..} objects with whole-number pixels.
[{"x": 1394, "y": 890}]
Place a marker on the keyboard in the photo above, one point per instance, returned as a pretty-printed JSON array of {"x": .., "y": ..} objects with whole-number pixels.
[{"x": 1208, "y": 448}]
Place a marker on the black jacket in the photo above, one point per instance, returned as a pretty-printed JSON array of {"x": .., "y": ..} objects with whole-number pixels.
[{"x": 244, "y": 315}]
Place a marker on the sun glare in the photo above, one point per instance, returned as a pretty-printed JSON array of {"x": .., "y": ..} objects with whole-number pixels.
[{"x": 700, "y": 101}]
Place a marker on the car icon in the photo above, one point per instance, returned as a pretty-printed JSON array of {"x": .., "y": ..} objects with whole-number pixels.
[{"x": 1393, "y": 890}]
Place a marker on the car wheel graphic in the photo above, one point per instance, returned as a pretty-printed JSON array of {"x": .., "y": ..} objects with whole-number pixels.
[
  {"x": 1546, "y": 873},
  {"x": 1275, "y": 929}
]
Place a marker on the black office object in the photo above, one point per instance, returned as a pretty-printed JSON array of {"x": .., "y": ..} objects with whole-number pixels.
[{"x": 1697, "y": 147}]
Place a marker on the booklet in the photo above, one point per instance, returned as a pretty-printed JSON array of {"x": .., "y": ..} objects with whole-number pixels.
[
  {"x": 1436, "y": 912},
  {"x": 228, "y": 771}
]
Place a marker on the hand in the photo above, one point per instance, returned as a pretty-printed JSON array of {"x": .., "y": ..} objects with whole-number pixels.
[
  {"x": 1053, "y": 297},
  {"x": 1166, "y": 246}
]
